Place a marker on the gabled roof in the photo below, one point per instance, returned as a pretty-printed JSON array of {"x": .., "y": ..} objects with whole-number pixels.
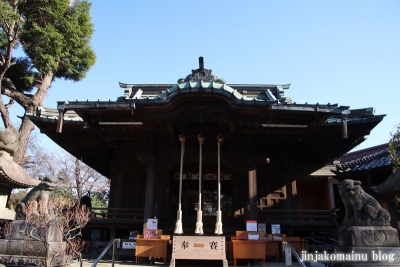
[
  {"x": 241, "y": 93},
  {"x": 257, "y": 119},
  {"x": 202, "y": 82}
]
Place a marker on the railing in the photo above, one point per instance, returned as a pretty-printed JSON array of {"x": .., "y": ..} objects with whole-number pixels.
[
  {"x": 113, "y": 243},
  {"x": 305, "y": 216},
  {"x": 290, "y": 246},
  {"x": 118, "y": 213},
  {"x": 324, "y": 242}
]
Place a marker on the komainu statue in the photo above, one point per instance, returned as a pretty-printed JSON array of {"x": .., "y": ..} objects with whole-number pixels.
[
  {"x": 39, "y": 194},
  {"x": 8, "y": 141},
  {"x": 361, "y": 208}
]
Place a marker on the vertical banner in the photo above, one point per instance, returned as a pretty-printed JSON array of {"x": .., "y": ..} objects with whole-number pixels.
[{"x": 288, "y": 256}]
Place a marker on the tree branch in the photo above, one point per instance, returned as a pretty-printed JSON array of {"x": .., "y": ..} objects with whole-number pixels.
[
  {"x": 5, "y": 115},
  {"x": 10, "y": 103},
  {"x": 9, "y": 90}
]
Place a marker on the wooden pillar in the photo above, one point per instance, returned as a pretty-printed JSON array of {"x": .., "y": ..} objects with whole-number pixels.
[
  {"x": 291, "y": 190},
  {"x": 117, "y": 181},
  {"x": 148, "y": 204},
  {"x": 116, "y": 185},
  {"x": 252, "y": 215}
]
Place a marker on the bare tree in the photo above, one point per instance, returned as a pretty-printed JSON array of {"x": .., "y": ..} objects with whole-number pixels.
[
  {"x": 74, "y": 176},
  {"x": 56, "y": 225},
  {"x": 79, "y": 178},
  {"x": 40, "y": 160}
]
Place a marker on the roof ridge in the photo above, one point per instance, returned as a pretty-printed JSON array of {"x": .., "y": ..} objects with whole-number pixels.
[{"x": 355, "y": 162}]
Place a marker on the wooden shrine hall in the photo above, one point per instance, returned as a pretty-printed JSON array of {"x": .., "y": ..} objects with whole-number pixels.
[{"x": 269, "y": 146}]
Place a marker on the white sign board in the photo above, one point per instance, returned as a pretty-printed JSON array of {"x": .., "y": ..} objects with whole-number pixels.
[
  {"x": 262, "y": 227},
  {"x": 129, "y": 245},
  {"x": 152, "y": 224},
  {"x": 275, "y": 228},
  {"x": 251, "y": 225}
]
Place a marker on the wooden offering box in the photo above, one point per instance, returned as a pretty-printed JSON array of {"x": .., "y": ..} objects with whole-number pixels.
[
  {"x": 152, "y": 247},
  {"x": 249, "y": 249},
  {"x": 198, "y": 248},
  {"x": 274, "y": 245}
]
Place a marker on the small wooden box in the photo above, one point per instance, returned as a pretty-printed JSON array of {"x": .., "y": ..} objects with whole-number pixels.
[
  {"x": 153, "y": 234},
  {"x": 255, "y": 235},
  {"x": 277, "y": 237},
  {"x": 241, "y": 235}
]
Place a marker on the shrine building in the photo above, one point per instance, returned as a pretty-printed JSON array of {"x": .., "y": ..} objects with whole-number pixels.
[{"x": 268, "y": 148}]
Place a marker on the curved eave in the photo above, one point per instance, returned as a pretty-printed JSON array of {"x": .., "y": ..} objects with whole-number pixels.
[
  {"x": 12, "y": 175},
  {"x": 285, "y": 86},
  {"x": 390, "y": 186},
  {"x": 245, "y": 92},
  {"x": 329, "y": 137},
  {"x": 231, "y": 96},
  {"x": 77, "y": 139},
  {"x": 354, "y": 120},
  {"x": 7, "y": 181}
]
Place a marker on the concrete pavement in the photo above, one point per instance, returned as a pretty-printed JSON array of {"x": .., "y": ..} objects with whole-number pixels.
[
  {"x": 129, "y": 260},
  {"x": 122, "y": 263}
]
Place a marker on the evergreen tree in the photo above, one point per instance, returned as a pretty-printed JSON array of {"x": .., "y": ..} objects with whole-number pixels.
[
  {"x": 55, "y": 35},
  {"x": 394, "y": 144}
]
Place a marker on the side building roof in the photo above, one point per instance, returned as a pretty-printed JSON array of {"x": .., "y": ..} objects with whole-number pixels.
[{"x": 373, "y": 158}]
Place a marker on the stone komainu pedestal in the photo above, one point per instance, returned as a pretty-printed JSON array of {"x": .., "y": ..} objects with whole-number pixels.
[
  {"x": 20, "y": 250},
  {"x": 373, "y": 245},
  {"x": 366, "y": 238}
]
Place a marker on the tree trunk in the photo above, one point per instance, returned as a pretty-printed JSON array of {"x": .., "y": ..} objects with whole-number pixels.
[
  {"x": 24, "y": 134},
  {"x": 30, "y": 105},
  {"x": 78, "y": 179}
]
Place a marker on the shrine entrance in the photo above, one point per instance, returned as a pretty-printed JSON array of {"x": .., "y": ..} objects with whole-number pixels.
[
  {"x": 269, "y": 141},
  {"x": 190, "y": 197},
  {"x": 209, "y": 197}
]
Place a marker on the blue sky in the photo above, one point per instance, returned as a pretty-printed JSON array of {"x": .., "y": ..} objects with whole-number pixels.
[{"x": 344, "y": 52}]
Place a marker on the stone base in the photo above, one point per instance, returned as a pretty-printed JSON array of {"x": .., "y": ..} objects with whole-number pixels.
[
  {"x": 7, "y": 214},
  {"x": 15, "y": 260},
  {"x": 19, "y": 250},
  {"x": 18, "y": 227},
  {"x": 22, "y": 252},
  {"x": 368, "y": 236},
  {"x": 367, "y": 256}
]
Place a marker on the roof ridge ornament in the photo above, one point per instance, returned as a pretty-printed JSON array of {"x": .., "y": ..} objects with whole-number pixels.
[{"x": 201, "y": 74}]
